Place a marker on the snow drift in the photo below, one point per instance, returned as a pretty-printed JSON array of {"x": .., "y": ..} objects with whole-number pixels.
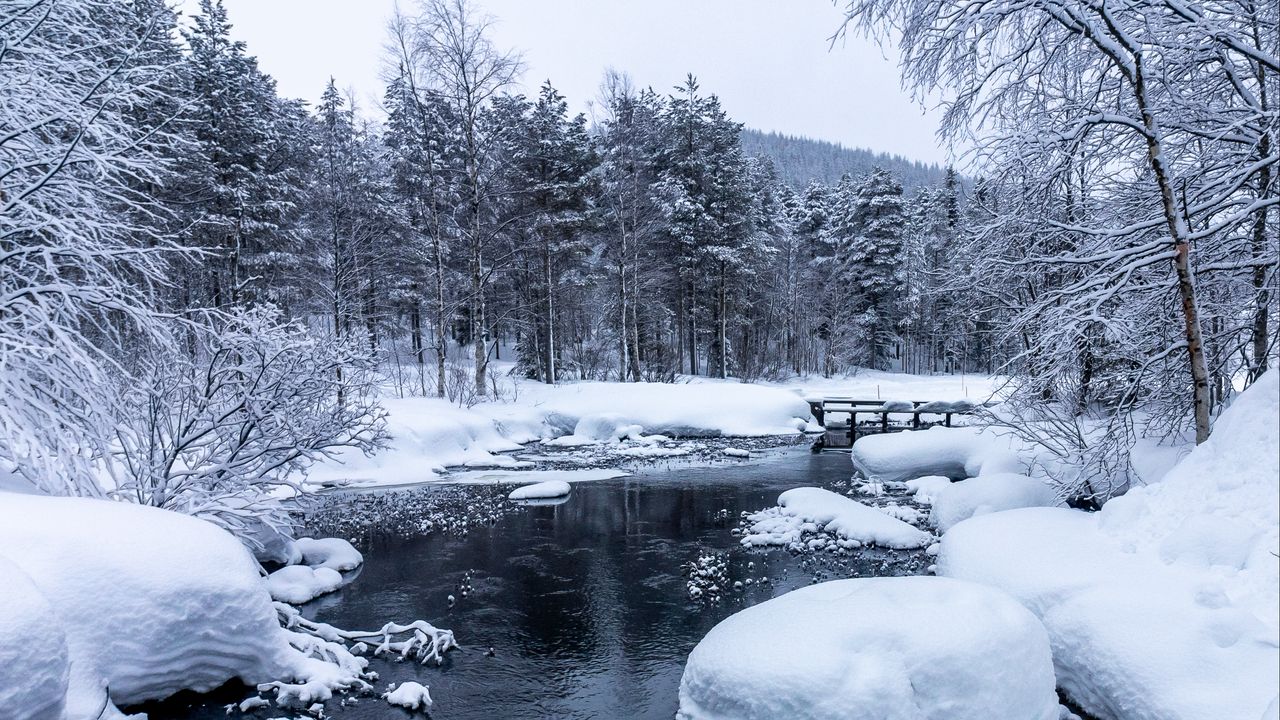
[
  {"x": 1164, "y": 604},
  {"x": 987, "y": 494},
  {"x": 910, "y": 648},
  {"x": 957, "y": 452},
  {"x": 33, "y": 651}
]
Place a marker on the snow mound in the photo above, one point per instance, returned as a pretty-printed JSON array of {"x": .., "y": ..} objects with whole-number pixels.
[
  {"x": 954, "y": 452},
  {"x": 1220, "y": 507},
  {"x": 299, "y": 584},
  {"x": 736, "y": 452},
  {"x": 542, "y": 490},
  {"x": 332, "y": 553},
  {"x": 810, "y": 509},
  {"x": 1132, "y": 637},
  {"x": 927, "y": 488},
  {"x": 987, "y": 494},
  {"x": 33, "y": 651},
  {"x": 903, "y": 648},
  {"x": 152, "y": 601},
  {"x": 427, "y": 435},
  {"x": 411, "y": 695}
]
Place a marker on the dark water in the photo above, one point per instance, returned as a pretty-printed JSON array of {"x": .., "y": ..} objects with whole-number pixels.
[{"x": 584, "y": 604}]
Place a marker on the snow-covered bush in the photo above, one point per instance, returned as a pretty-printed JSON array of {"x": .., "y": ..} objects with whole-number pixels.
[{"x": 217, "y": 433}]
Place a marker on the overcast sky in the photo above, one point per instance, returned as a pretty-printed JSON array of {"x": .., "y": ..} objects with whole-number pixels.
[{"x": 768, "y": 60}]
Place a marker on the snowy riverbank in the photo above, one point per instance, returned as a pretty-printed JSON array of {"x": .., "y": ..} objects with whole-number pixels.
[{"x": 612, "y": 422}]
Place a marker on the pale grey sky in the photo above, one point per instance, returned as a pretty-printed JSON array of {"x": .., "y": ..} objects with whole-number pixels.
[{"x": 768, "y": 60}]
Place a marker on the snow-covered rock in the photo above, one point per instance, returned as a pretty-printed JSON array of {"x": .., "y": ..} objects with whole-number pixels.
[
  {"x": 151, "y": 601},
  {"x": 1163, "y": 605},
  {"x": 987, "y": 494},
  {"x": 910, "y": 648},
  {"x": 540, "y": 491},
  {"x": 815, "y": 509},
  {"x": 957, "y": 452},
  {"x": 410, "y": 695},
  {"x": 736, "y": 452},
  {"x": 333, "y": 553},
  {"x": 927, "y": 488},
  {"x": 297, "y": 584},
  {"x": 34, "y": 666}
]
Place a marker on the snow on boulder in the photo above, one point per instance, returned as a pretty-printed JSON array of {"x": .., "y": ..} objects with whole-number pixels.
[
  {"x": 33, "y": 651},
  {"x": 810, "y": 509},
  {"x": 410, "y": 695},
  {"x": 987, "y": 494},
  {"x": 901, "y": 648},
  {"x": 927, "y": 488},
  {"x": 541, "y": 491},
  {"x": 152, "y": 601},
  {"x": 297, "y": 584},
  {"x": 333, "y": 553},
  {"x": 954, "y": 452}
]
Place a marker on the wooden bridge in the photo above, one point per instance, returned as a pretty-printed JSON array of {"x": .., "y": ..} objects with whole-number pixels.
[{"x": 839, "y": 417}]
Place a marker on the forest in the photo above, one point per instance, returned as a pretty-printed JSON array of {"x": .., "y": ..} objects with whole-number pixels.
[{"x": 226, "y": 313}]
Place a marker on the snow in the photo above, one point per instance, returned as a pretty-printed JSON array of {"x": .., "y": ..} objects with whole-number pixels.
[
  {"x": 736, "y": 452},
  {"x": 33, "y": 651},
  {"x": 987, "y": 494},
  {"x": 808, "y": 509},
  {"x": 152, "y": 601},
  {"x": 542, "y": 490},
  {"x": 429, "y": 434},
  {"x": 902, "y": 648},
  {"x": 927, "y": 488},
  {"x": 499, "y": 477},
  {"x": 332, "y": 553},
  {"x": 877, "y": 384},
  {"x": 411, "y": 695},
  {"x": 297, "y": 584},
  {"x": 956, "y": 452},
  {"x": 1164, "y": 604}
]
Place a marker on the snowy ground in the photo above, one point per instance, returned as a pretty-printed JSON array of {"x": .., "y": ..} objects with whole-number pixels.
[
  {"x": 596, "y": 424},
  {"x": 1164, "y": 605}
]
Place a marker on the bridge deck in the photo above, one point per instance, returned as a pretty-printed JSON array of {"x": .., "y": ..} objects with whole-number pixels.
[{"x": 879, "y": 416}]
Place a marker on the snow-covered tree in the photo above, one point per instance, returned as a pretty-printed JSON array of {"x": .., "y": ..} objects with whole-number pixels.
[
  {"x": 79, "y": 261},
  {"x": 217, "y": 433}
]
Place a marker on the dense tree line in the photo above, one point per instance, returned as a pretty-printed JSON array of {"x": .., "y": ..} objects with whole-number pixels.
[
  {"x": 475, "y": 219},
  {"x": 801, "y": 160}
]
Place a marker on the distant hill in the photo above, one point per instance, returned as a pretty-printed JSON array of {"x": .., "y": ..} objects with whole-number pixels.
[{"x": 800, "y": 160}]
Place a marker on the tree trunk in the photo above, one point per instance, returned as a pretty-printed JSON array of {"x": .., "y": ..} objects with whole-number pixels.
[
  {"x": 549, "y": 348},
  {"x": 1178, "y": 232}
]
